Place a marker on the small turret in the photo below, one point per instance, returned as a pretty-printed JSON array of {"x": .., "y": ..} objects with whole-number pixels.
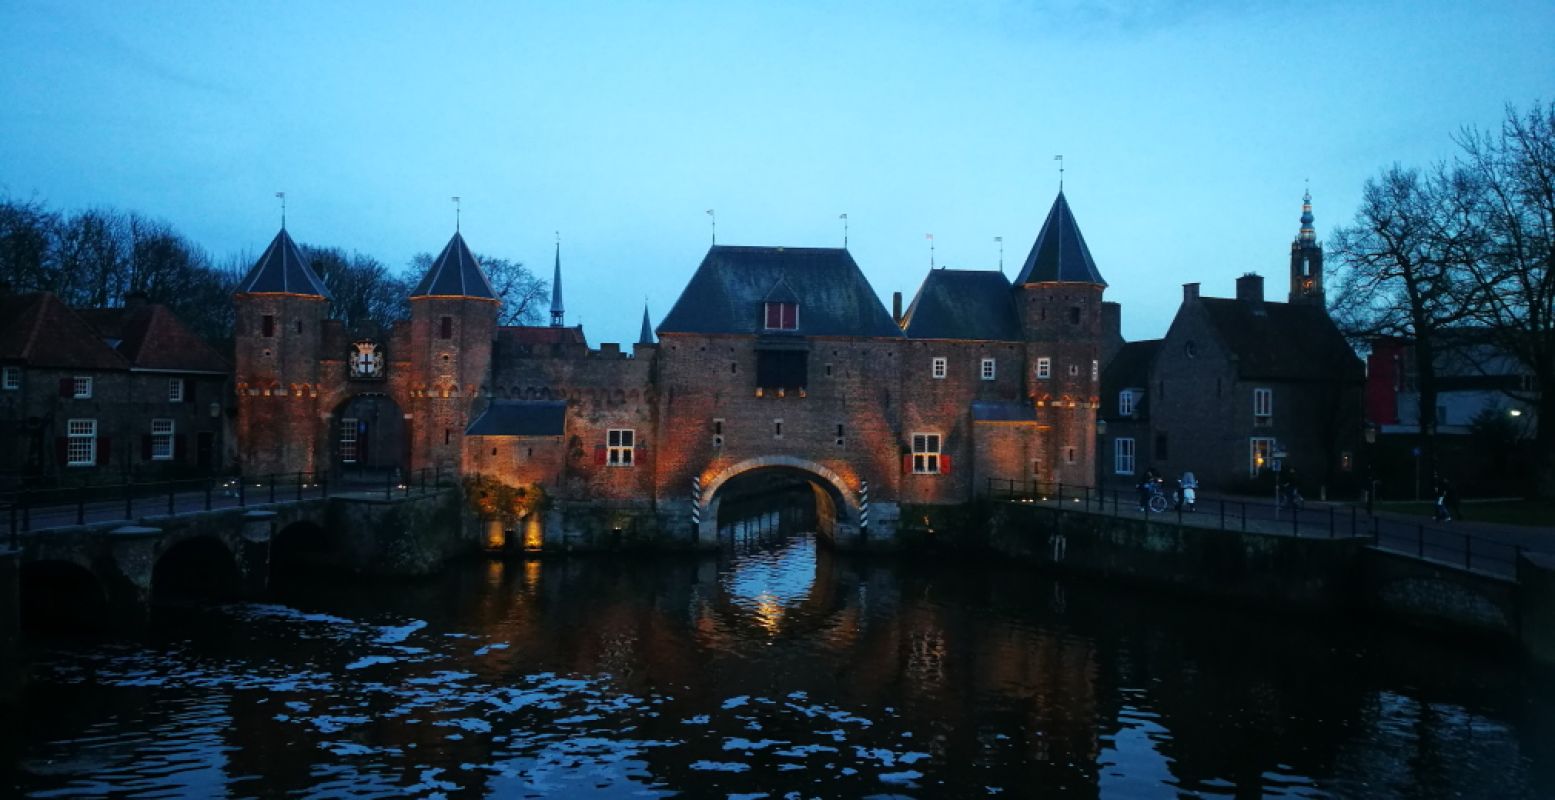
[{"x": 557, "y": 313}]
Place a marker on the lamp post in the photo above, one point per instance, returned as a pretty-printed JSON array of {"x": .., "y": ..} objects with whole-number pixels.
[
  {"x": 1101, "y": 447},
  {"x": 1370, "y": 433}
]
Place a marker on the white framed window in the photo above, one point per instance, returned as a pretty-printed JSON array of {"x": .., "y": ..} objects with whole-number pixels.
[
  {"x": 175, "y": 390},
  {"x": 11, "y": 378},
  {"x": 82, "y": 388},
  {"x": 1095, "y": 370},
  {"x": 161, "y": 440},
  {"x": 1044, "y": 367},
  {"x": 925, "y": 453},
  {"x": 81, "y": 445},
  {"x": 987, "y": 370},
  {"x": 348, "y": 450},
  {"x": 1263, "y": 406},
  {"x": 619, "y": 444},
  {"x": 1260, "y": 451},
  {"x": 938, "y": 370},
  {"x": 1123, "y": 456},
  {"x": 1126, "y": 403}
]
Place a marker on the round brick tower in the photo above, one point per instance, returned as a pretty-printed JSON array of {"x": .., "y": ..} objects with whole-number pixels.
[
  {"x": 1059, "y": 294},
  {"x": 453, "y": 322},
  {"x": 281, "y": 306}
]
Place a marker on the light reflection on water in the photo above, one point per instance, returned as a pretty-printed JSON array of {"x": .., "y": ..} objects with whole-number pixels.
[{"x": 776, "y": 669}]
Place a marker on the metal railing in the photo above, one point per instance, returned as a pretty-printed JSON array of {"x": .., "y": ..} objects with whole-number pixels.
[
  {"x": 1420, "y": 539},
  {"x": 29, "y": 510}
]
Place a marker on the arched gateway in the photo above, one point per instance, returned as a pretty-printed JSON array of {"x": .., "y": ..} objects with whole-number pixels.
[{"x": 837, "y": 505}]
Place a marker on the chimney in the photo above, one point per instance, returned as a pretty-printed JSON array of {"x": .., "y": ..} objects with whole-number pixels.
[
  {"x": 1249, "y": 288},
  {"x": 896, "y": 307},
  {"x": 1190, "y": 291},
  {"x": 135, "y": 299}
]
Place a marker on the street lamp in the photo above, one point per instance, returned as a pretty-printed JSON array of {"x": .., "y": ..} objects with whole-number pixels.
[{"x": 1370, "y": 433}]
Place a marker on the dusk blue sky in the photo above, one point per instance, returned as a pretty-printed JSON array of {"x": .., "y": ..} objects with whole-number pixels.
[{"x": 1187, "y": 128}]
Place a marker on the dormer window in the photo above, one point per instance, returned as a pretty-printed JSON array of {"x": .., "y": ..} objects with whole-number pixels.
[{"x": 782, "y": 316}]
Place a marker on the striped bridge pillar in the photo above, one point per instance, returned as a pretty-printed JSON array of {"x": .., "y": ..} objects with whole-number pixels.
[
  {"x": 863, "y": 505},
  {"x": 696, "y": 502}
]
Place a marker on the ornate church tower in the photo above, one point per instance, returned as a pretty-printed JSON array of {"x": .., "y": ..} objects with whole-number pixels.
[
  {"x": 453, "y": 322},
  {"x": 281, "y": 307},
  {"x": 1306, "y": 260},
  {"x": 1059, "y": 296}
]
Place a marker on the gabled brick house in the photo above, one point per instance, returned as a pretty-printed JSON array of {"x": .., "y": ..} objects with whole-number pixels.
[
  {"x": 106, "y": 395},
  {"x": 1236, "y": 380}
]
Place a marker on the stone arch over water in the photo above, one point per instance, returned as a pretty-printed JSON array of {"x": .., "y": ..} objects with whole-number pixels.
[{"x": 837, "y": 508}]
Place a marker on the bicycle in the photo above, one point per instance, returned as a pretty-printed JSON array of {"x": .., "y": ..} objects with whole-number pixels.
[{"x": 1158, "y": 501}]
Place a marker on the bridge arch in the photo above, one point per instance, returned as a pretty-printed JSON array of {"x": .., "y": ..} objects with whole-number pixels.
[
  {"x": 836, "y": 501},
  {"x": 199, "y": 566},
  {"x": 60, "y": 595}
]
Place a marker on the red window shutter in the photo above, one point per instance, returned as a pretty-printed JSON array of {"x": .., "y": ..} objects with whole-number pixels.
[
  {"x": 67, "y": 387},
  {"x": 944, "y": 465},
  {"x": 907, "y": 463},
  {"x": 62, "y": 449},
  {"x": 103, "y": 450},
  {"x": 145, "y": 447},
  {"x": 178, "y": 447},
  {"x": 599, "y": 455}
]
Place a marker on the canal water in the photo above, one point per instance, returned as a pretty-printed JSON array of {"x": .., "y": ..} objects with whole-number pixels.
[{"x": 775, "y": 669}]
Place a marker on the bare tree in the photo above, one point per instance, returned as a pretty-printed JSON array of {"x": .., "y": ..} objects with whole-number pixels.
[
  {"x": 25, "y": 240},
  {"x": 364, "y": 293},
  {"x": 1511, "y": 281},
  {"x": 1401, "y": 264}
]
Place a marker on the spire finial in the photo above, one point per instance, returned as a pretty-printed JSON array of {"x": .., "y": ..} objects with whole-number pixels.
[
  {"x": 282, "y": 196},
  {"x": 455, "y": 198},
  {"x": 715, "y": 225},
  {"x": 645, "y": 336},
  {"x": 1000, "y": 240},
  {"x": 844, "y": 217},
  {"x": 1060, "y": 160},
  {"x": 930, "y": 237},
  {"x": 557, "y": 313}
]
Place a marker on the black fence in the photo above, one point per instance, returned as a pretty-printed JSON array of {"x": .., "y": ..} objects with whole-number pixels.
[
  {"x": 30, "y": 510},
  {"x": 1421, "y": 539}
]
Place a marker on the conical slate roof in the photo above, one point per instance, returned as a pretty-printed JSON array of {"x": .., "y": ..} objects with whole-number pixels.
[
  {"x": 283, "y": 270},
  {"x": 1060, "y": 253},
  {"x": 455, "y": 273}
]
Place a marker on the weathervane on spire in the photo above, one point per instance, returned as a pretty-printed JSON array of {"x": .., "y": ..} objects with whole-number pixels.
[
  {"x": 1000, "y": 240},
  {"x": 282, "y": 196},
  {"x": 844, "y": 217},
  {"x": 1060, "y": 160},
  {"x": 715, "y": 225},
  {"x": 930, "y": 237},
  {"x": 455, "y": 198}
]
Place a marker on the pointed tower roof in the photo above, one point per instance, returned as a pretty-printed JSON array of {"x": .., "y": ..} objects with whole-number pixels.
[
  {"x": 1060, "y": 253},
  {"x": 557, "y": 312},
  {"x": 283, "y": 270},
  {"x": 455, "y": 273},
  {"x": 646, "y": 336}
]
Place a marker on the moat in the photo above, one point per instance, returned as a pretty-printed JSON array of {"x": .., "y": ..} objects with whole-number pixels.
[{"x": 774, "y": 669}]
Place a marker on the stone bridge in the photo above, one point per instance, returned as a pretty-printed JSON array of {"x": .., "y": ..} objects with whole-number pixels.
[{"x": 109, "y": 572}]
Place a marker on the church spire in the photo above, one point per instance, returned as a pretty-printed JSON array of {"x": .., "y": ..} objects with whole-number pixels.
[
  {"x": 556, "y": 286},
  {"x": 646, "y": 336},
  {"x": 1308, "y": 234}
]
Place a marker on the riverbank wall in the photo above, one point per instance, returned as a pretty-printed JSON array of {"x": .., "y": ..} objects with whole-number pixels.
[{"x": 1339, "y": 575}]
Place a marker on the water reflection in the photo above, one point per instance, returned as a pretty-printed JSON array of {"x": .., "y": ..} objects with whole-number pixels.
[{"x": 776, "y": 667}]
